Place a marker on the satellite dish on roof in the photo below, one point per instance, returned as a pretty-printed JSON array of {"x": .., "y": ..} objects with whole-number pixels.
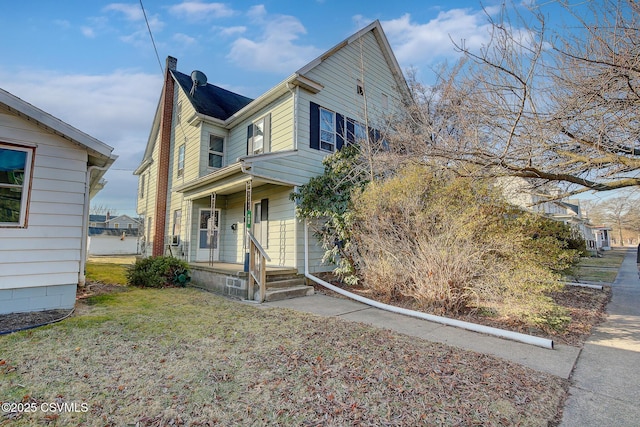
[{"x": 199, "y": 79}]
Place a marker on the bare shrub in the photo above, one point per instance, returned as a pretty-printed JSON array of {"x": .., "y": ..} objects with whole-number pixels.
[{"x": 451, "y": 244}]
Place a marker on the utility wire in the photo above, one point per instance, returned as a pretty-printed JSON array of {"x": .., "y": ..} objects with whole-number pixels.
[{"x": 152, "y": 41}]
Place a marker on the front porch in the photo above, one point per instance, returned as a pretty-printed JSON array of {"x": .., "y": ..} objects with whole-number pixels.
[{"x": 230, "y": 279}]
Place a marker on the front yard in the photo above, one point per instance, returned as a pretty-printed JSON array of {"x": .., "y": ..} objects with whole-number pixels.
[
  {"x": 155, "y": 357},
  {"x": 185, "y": 357}
]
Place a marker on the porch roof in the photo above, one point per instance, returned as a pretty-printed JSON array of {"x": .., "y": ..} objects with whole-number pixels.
[{"x": 228, "y": 180}]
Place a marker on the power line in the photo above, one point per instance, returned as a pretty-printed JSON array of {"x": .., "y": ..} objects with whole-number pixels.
[{"x": 152, "y": 41}]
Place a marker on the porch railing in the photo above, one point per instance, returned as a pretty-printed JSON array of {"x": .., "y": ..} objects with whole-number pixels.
[{"x": 257, "y": 268}]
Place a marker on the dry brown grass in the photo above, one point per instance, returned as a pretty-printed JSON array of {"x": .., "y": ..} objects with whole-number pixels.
[{"x": 185, "y": 357}]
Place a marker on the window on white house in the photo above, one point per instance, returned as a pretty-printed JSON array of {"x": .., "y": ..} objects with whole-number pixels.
[
  {"x": 116, "y": 225},
  {"x": 15, "y": 176},
  {"x": 142, "y": 186},
  {"x": 359, "y": 132},
  {"x": 385, "y": 101},
  {"x": 177, "y": 222},
  {"x": 258, "y": 136},
  {"x": 327, "y": 130},
  {"x": 179, "y": 112},
  {"x": 130, "y": 226},
  {"x": 181, "y": 160},
  {"x": 216, "y": 151},
  {"x": 359, "y": 87}
]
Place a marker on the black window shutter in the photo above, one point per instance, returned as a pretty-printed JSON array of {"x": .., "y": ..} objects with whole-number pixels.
[
  {"x": 314, "y": 126},
  {"x": 351, "y": 132},
  {"x": 264, "y": 210},
  {"x": 249, "y": 136},
  {"x": 339, "y": 131}
]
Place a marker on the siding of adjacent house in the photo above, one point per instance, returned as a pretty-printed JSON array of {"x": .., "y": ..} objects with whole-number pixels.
[
  {"x": 39, "y": 264},
  {"x": 146, "y": 204}
]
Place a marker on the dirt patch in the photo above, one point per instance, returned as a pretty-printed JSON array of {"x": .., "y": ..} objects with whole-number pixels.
[{"x": 21, "y": 321}]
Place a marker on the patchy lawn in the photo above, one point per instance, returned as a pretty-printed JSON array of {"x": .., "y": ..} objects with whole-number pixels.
[
  {"x": 186, "y": 357},
  {"x": 600, "y": 269}
]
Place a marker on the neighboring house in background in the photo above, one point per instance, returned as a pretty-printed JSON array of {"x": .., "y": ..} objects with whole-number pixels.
[
  {"x": 49, "y": 171},
  {"x": 217, "y": 161},
  {"x": 119, "y": 221},
  {"x": 520, "y": 192},
  {"x": 113, "y": 235}
]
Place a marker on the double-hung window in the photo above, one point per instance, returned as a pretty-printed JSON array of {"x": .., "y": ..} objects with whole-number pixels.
[
  {"x": 180, "y": 160},
  {"x": 327, "y": 130},
  {"x": 216, "y": 151},
  {"x": 15, "y": 176},
  {"x": 258, "y": 136}
]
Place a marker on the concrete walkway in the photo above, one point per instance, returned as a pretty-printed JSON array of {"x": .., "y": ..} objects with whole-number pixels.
[
  {"x": 605, "y": 374},
  {"x": 605, "y": 385},
  {"x": 559, "y": 361}
]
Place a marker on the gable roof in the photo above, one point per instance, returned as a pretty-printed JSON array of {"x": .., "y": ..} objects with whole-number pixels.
[
  {"x": 211, "y": 100},
  {"x": 227, "y": 107}
]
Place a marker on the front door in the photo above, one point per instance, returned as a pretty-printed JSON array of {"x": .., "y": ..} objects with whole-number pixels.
[{"x": 208, "y": 236}]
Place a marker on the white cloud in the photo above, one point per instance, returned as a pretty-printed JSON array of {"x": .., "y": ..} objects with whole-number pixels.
[
  {"x": 131, "y": 11},
  {"x": 87, "y": 32},
  {"x": 201, "y": 11},
  {"x": 184, "y": 39},
  {"x": 415, "y": 43},
  {"x": 116, "y": 108},
  {"x": 231, "y": 31},
  {"x": 275, "y": 49}
]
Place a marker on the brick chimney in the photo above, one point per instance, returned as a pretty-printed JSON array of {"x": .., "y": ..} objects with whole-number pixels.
[{"x": 164, "y": 155}]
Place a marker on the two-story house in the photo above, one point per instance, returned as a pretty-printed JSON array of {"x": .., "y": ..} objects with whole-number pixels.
[{"x": 218, "y": 164}]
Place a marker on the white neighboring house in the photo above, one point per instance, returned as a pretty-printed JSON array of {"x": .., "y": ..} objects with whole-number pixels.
[
  {"x": 49, "y": 171},
  {"x": 113, "y": 235},
  {"x": 520, "y": 192}
]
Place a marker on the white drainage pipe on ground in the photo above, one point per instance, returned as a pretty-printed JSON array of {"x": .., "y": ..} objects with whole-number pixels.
[
  {"x": 515, "y": 336},
  {"x": 583, "y": 285}
]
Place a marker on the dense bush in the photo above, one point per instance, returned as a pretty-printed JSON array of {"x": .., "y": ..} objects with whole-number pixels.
[
  {"x": 158, "y": 272},
  {"x": 453, "y": 244}
]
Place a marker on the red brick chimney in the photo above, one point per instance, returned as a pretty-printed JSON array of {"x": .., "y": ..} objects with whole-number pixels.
[{"x": 164, "y": 155}]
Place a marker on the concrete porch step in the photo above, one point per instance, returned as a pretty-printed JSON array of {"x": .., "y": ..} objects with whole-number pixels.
[
  {"x": 277, "y": 294},
  {"x": 285, "y": 283}
]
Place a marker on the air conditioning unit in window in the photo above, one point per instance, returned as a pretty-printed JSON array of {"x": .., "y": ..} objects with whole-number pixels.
[{"x": 175, "y": 240}]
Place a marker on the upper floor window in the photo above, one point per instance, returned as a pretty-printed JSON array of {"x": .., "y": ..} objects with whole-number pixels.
[
  {"x": 15, "y": 176},
  {"x": 216, "y": 151},
  {"x": 259, "y": 136},
  {"x": 142, "y": 186},
  {"x": 385, "y": 101},
  {"x": 181, "y": 160},
  {"x": 359, "y": 87},
  {"x": 179, "y": 112},
  {"x": 327, "y": 130}
]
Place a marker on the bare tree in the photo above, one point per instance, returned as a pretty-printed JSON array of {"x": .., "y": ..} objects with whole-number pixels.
[{"x": 547, "y": 105}]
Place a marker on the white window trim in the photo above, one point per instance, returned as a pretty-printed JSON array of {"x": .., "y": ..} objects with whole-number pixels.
[
  {"x": 180, "y": 170},
  {"x": 26, "y": 185},
  {"x": 217, "y": 153},
  {"x": 266, "y": 136},
  {"x": 333, "y": 132}
]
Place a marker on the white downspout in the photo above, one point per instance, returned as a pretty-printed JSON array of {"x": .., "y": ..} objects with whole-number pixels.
[
  {"x": 85, "y": 223},
  {"x": 516, "y": 336}
]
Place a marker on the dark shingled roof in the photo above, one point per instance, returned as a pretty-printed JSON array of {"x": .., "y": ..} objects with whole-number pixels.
[{"x": 212, "y": 100}]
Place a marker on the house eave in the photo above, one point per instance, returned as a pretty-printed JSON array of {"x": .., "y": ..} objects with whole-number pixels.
[{"x": 98, "y": 150}]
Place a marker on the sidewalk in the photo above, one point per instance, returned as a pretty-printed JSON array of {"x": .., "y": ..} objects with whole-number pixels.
[{"x": 605, "y": 385}]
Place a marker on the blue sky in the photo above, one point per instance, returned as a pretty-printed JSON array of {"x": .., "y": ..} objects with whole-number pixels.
[{"x": 92, "y": 63}]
